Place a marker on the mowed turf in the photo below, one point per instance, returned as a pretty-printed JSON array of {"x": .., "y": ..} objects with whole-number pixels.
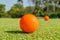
[{"x": 47, "y": 30}]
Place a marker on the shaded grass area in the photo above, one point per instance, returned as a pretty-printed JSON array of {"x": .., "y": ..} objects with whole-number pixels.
[
  {"x": 47, "y": 30},
  {"x": 14, "y": 32}
]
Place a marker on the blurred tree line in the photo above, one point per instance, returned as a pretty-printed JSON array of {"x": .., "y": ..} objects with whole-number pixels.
[{"x": 40, "y": 9}]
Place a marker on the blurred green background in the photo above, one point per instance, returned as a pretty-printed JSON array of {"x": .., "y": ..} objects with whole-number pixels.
[{"x": 40, "y": 8}]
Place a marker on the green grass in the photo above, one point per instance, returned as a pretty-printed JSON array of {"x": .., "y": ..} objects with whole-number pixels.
[{"x": 48, "y": 30}]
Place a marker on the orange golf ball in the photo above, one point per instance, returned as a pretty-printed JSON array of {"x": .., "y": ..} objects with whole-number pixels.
[
  {"x": 46, "y": 18},
  {"x": 29, "y": 23}
]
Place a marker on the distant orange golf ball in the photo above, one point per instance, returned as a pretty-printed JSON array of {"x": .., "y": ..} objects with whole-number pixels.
[
  {"x": 29, "y": 23},
  {"x": 46, "y": 18}
]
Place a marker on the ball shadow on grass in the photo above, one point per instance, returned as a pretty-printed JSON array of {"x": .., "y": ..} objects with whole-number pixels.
[{"x": 17, "y": 32}]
